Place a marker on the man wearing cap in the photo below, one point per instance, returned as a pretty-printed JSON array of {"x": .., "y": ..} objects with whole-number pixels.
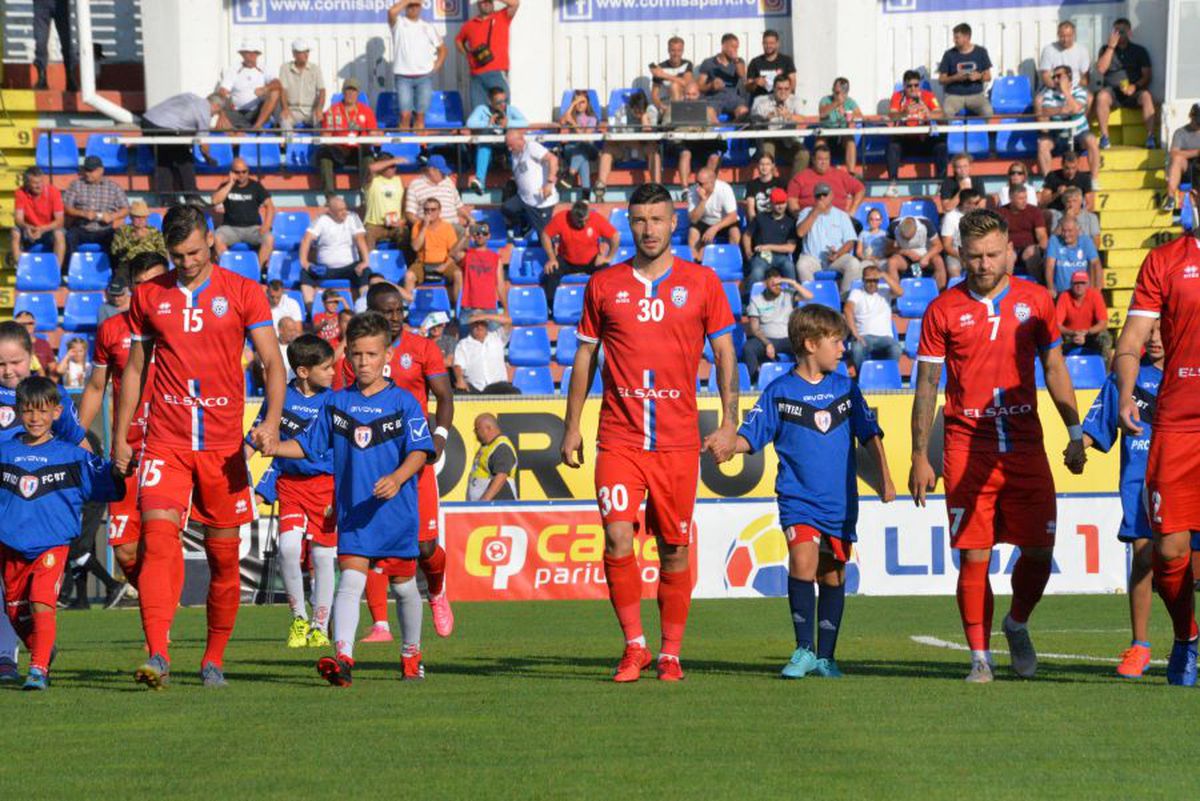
[
  {"x": 479, "y": 364},
  {"x": 770, "y": 242},
  {"x": 303, "y": 90},
  {"x": 829, "y": 240},
  {"x": 1083, "y": 317},
  {"x": 174, "y": 165},
  {"x": 1069, "y": 255},
  {"x": 384, "y": 197},
  {"x": 38, "y": 216},
  {"x": 483, "y": 41},
  {"x": 253, "y": 91},
  {"x": 94, "y": 207},
  {"x": 586, "y": 242},
  {"x": 247, "y": 213},
  {"x": 417, "y": 55},
  {"x": 116, "y": 299},
  {"x": 433, "y": 327},
  {"x": 1185, "y": 147},
  {"x": 495, "y": 116},
  {"x": 137, "y": 237},
  {"x": 483, "y": 285},
  {"x": 348, "y": 117},
  {"x": 435, "y": 181}
]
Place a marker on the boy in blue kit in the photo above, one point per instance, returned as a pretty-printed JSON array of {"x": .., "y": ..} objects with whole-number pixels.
[
  {"x": 1100, "y": 432},
  {"x": 304, "y": 488},
  {"x": 44, "y": 483},
  {"x": 380, "y": 441},
  {"x": 813, "y": 415}
]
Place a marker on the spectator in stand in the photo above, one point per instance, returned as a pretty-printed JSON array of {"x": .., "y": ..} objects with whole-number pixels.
[
  {"x": 289, "y": 330},
  {"x": 483, "y": 42},
  {"x": 1026, "y": 234},
  {"x": 38, "y": 217},
  {"x": 579, "y": 117},
  {"x": 869, "y": 317},
  {"x": 722, "y": 78},
  {"x": 1065, "y": 52},
  {"x": 384, "y": 195},
  {"x": 247, "y": 213},
  {"x": 43, "y": 361},
  {"x": 577, "y": 240},
  {"x": 484, "y": 287},
  {"x": 1064, "y": 178},
  {"x": 341, "y": 250},
  {"x": 839, "y": 110},
  {"x": 872, "y": 244},
  {"x": 829, "y": 240},
  {"x": 282, "y": 304},
  {"x": 915, "y": 251},
  {"x": 351, "y": 116},
  {"x": 1125, "y": 75},
  {"x": 303, "y": 90},
  {"x": 670, "y": 77},
  {"x": 253, "y": 91},
  {"x": 1185, "y": 147},
  {"x": 704, "y": 152},
  {"x": 759, "y": 188},
  {"x": 418, "y": 53},
  {"x": 1070, "y": 254},
  {"x": 58, "y": 12},
  {"x": 636, "y": 114},
  {"x": 94, "y": 207},
  {"x": 1066, "y": 102},
  {"x": 847, "y": 191},
  {"x": 73, "y": 368},
  {"x": 435, "y": 181},
  {"x": 768, "y": 313},
  {"x": 960, "y": 178},
  {"x": 116, "y": 296},
  {"x": 712, "y": 208},
  {"x": 433, "y": 327},
  {"x": 1018, "y": 175},
  {"x": 770, "y": 242},
  {"x": 495, "y": 116},
  {"x": 479, "y": 365},
  {"x": 175, "y": 165},
  {"x": 963, "y": 71},
  {"x": 968, "y": 200},
  {"x": 778, "y": 109},
  {"x": 763, "y": 70},
  {"x": 1083, "y": 317},
  {"x": 136, "y": 238},
  {"x": 493, "y": 472},
  {"x": 533, "y": 169},
  {"x": 1089, "y": 223},
  {"x": 434, "y": 241},
  {"x": 912, "y": 106},
  {"x": 325, "y": 322}
]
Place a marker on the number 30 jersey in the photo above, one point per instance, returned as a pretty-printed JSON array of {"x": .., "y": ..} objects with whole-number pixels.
[
  {"x": 197, "y": 399},
  {"x": 653, "y": 336}
]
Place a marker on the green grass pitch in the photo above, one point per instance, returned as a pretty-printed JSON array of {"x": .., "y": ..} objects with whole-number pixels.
[{"x": 517, "y": 705}]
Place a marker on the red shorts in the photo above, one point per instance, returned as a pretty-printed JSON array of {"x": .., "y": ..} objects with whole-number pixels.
[
  {"x": 124, "y": 522},
  {"x": 34, "y": 581},
  {"x": 836, "y": 547},
  {"x": 391, "y": 566},
  {"x": 999, "y": 497},
  {"x": 1172, "y": 490},
  {"x": 624, "y": 476},
  {"x": 427, "y": 504},
  {"x": 306, "y": 503},
  {"x": 214, "y": 486}
]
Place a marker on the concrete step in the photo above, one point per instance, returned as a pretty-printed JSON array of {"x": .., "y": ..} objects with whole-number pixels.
[
  {"x": 1111, "y": 198},
  {"x": 1137, "y": 179},
  {"x": 1120, "y": 117},
  {"x": 1131, "y": 158},
  {"x": 1113, "y": 220},
  {"x": 1120, "y": 277},
  {"x": 1118, "y": 298},
  {"x": 1130, "y": 239},
  {"x": 1116, "y": 316},
  {"x": 1127, "y": 259}
]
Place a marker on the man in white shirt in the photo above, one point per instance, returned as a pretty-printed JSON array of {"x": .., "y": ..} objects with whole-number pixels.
[
  {"x": 968, "y": 200},
  {"x": 712, "y": 208},
  {"x": 252, "y": 90},
  {"x": 342, "y": 252},
  {"x": 282, "y": 304},
  {"x": 869, "y": 318},
  {"x": 1066, "y": 52},
  {"x": 418, "y": 53},
  {"x": 479, "y": 364},
  {"x": 534, "y": 169},
  {"x": 769, "y": 312}
]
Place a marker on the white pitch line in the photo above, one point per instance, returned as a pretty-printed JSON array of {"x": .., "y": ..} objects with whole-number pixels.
[{"x": 935, "y": 642}]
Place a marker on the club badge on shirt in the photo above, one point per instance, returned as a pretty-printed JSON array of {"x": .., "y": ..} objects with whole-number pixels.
[
  {"x": 220, "y": 305},
  {"x": 679, "y": 296},
  {"x": 362, "y": 436},
  {"x": 1022, "y": 311},
  {"x": 28, "y": 485}
]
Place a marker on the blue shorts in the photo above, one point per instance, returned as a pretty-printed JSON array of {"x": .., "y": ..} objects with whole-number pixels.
[{"x": 414, "y": 93}]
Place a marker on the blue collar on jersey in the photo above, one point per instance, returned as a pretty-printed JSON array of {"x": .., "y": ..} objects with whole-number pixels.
[
  {"x": 193, "y": 294},
  {"x": 992, "y": 302}
]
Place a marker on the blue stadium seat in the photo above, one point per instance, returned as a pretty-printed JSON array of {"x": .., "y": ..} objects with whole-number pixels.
[
  {"x": 1016, "y": 144},
  {"x": 41, "y": 305},
  {"x": 527, "y": 305},
  {"x": 769, "y": 371},
  {"x": 1185, "y": 212},
  {"x": 682, "y": 251},
  {"x": 737, "y": 153},
  {"x": 873, "y": 150},
  {"x": 429, "y": 298},
  {"x": 725, "y": 259},
  {"x": 82, "y": 311},
  {"x": 387, "y": 110},
  {"x": 497, "y": 226},
  {"x": 679, "y": 237},
  {"x": 388, "y": 263},
  {"x": 919, "y": 207},
  {"x": 918, "y": 294},
  {"x": 593, "y": 96},
  {"x": 533, "y": 380},
  {"x": 242, "y": 262},
  {"x": 221, "y": 151},
  {"x": 284, "y": 267},
  {"x": 619, "y": 218},
  {"x": 522, "y": 271},
  {"x": 445, "y": 111},
  {"x": 578, "y": 279},
  {"x": 961, "y": 139},
  {"x": 955, "y": 281},
  {"x": 288, "y": 228},
  {"x": 617, "y": 99},
  {"x": 864, "y": 209},
  {"x": 88, "y": 271},
  {"x": 825, "y": 293},
  {"x": 568, "y": 304},
  {"x": 880, "y": 374},
  {"x": 912, "y": 338},
  {"x": 565, "y": 383},
  {"x": 565, "y": 347},
  {"x": 1012, "y": 94},
  {"x": 57, "y": 154},
  {"x": 734, "y": 296},
  {"x": 318, "y": 306},
  {"x": 264, "y": 157},
  {"x": 409, "y": 151},
  {"x": 143, "y": 159},
  {"x": 298, "y": 155},
  {"x": 114, "y": 157},
  {"x": 38, "y": 272},
  {"x": 1087, "y": 371},
  {"x": 744, "y": 384},
  {"x": 529, "y": 346}
]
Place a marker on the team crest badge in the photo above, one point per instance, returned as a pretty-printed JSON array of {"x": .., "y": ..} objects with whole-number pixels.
[
  {"x": 7, "y": 415},
  {"x": 679, "y": 296},
  {"x": 28, "y": 485},
  {"x": 220, "y": 305},
  {"x": 823, "y": 419},
  {"x": 362, "y": 436},
  {"x": 406, "y": 361},
  {"x": 1022, "y": 311}
]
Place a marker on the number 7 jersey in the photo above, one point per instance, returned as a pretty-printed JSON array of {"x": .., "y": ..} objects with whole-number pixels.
[{"x": 653, "y": 336}]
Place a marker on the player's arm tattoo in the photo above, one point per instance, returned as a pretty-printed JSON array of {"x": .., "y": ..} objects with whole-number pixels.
[{"x": 924, "y": 404}]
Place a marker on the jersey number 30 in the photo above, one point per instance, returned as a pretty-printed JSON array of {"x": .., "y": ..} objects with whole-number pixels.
[{"x": 651, "y": 310}]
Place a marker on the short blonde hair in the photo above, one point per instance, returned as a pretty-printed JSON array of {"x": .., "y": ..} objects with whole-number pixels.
[{"x": 979, "y": 223}]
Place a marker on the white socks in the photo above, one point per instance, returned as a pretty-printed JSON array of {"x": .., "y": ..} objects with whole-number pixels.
[
  {"x": 290, "y": 545},
  {"x": 323, "y": 583},
  {"x": 409, "y": 611},
  {"x": 346, "y": 610}
]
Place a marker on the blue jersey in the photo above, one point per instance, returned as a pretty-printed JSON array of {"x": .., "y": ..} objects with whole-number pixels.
[
  {"x": 1102, "y": 424},
  {"x": 42, "y": 492},
  {"x": 66, "y": 427},
  {"x": 298, "y": 413},
  {"x": 813, "y": 427},
  {"x": 266, "y": 485},
  {"x": 370, "y": 437}
]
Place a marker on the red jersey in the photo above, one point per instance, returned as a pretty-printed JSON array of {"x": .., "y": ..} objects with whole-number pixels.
[
  {"x": 653, "y": 337},
  {"x": 415, "y": 360},
  {"x": 199, "y": 390},
  {"x": 1168, "y": 286},
  {"x": 989, "y": 346},
  {"x": 491, "y": 31},
  {"x": 579, "y": 246},
  {"x": 325, "y": 325},
  {"x": 113, "y": 341},
  {"x": 481, "y": 275},
  {"x": 39, "y": 210}
]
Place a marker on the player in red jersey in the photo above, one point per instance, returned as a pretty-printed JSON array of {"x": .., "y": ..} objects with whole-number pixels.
[
  {"x": 418, "y": 366},
  {"x": 651, "y": 315},
  {"x": 113, "y": 343},
  {"x": 988, "y": 331},
  {"x": 1168, "y": 290},
  {"x": 194, "y": 320}
]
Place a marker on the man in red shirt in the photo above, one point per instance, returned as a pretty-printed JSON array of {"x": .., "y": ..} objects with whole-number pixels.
[
  {"x": 988, "y": 331},
  {"x": 38, "y": 217},
  {"x": 1026, "y": 233},
  {"x": 1083, "y": 317},
  {"x": 483, "y": 41},
  {"x": 848, "y": 191},
  {"x": 348, "y": 117},
  {"x": 484, "y": 286},
  {"x": 911, "y": 105},
  {"x": 587, "y": 241},
  {"x": 194, "y": 320},
  {"x": 651, "y": 315}
]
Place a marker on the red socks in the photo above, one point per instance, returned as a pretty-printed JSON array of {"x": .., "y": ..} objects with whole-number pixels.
[
  {"x": 975, "y": 603},
  {"x": 377, "y": 595},
  {"x": 674, "y": 599},
  {"x": 159, "y": 581},
  {"x": 224, "y": 594},
  {"x": 625, "y": 591},
  {"x": 434, "y": 568},
  {"x": 1174, "y": 582},
  {"x": 41, "y": 639},
  {"x": 1029, "y": 579}
]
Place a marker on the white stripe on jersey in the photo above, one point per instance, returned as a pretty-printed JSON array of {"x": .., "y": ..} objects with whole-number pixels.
[
  {"x": 1001, "y": 434},
  {"x": 646, "y": 413},
  {"x": 194, "y": 391}
]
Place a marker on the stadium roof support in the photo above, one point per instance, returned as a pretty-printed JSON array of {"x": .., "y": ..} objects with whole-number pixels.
[{"x": 87, "y": 68}]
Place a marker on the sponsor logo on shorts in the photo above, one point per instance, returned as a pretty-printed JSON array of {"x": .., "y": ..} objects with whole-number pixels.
[
  {"x": 220, "y": 305},
  {"x": 679, "y": 296},
  {"x": 362, "y": 436},
  {"x": 188, "y": 400},
  {"x": 28, "y": 485},
  {"x": 406, "y": 361},
  {"x": 1000, "y": 411},
  {"x": 648, "y": 393},
  {"x": 241, "y": 506},
  {"x": 1022, "y": 312}
]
